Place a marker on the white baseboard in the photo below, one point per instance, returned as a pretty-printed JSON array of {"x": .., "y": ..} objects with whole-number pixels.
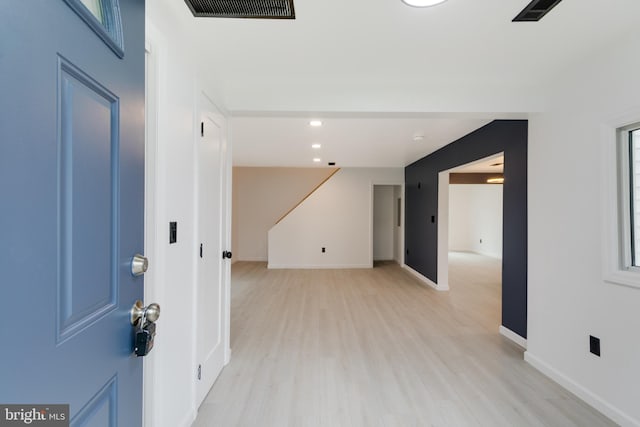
[
  {"x": 470, "y": 251},
  {"x": 189, "y": 418},
  {"x": 508, "y": 333},
  {"x": 316, "y": 267},
  {"x": 589, "y": 397},
  {"x": 425, "y": 279},
  {"x": 252, "y": 259}
]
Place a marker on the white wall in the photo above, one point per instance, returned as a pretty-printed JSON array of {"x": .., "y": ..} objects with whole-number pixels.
[
  {"x": 567, "y": 297},
  {"x": 475, "y": 213},
  {"x": 261, "y": 196},
  {"x": 170, "y": 366},
  {"x": 338, "y": 216},
  {"x": 383, "y": 223}
]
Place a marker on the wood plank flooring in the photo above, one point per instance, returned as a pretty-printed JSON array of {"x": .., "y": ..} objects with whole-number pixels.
[{"x": 377, "y": 348}]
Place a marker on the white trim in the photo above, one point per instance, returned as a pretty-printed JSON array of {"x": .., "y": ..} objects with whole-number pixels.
[
  {"x": 402, "y": 224},
  {"x": 251, "y": 259},
  {"x": 425, "y": 279},
  {"x": 228, "y": 212},
  {"x": 316, "y": 267},
  {"x": 509, "y": 334},
  {"x": 583, "y": 393},
  {"x": 154, "y": 207},
  {"x": 443, "y": 229},
  {"x": 195, "y": 331},
  {"x": 189, "y": 418}
]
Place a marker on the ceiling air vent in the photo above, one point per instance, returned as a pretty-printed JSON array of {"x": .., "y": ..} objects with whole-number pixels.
[
  {"x": 535, "y": 10},
  {"x": 267, "y": 9}
]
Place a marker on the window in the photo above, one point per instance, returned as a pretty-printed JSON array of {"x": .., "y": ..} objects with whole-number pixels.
[
  {"x": 103, "y": 17},
  {"x": 95, "y": 7},
  {"x": 630, "y": 138},
  {"x": 621, "y": 186},
  {"x": 621, "y": 199}
]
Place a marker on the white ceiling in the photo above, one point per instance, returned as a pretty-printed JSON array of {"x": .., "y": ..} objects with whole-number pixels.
[
  {"x": 378, "y": 70},
  {"x": 386, "y": 141},
  {"x": 491, "y": 164}
]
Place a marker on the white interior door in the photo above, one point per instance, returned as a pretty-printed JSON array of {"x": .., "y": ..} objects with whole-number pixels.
[{"x": 210, "y": 284}]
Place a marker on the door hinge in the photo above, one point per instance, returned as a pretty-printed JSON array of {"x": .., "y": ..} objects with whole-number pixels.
[
  {"x": 200, "y": 250},
  {"x": 199, "y": 372},
  {"x": 201, "y": 128}
]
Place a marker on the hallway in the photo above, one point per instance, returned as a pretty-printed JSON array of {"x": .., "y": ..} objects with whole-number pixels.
[{"x": 374, "y": 347}]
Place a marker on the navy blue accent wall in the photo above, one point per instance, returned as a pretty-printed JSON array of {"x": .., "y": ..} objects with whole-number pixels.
[{"x": 421, "y": 216}]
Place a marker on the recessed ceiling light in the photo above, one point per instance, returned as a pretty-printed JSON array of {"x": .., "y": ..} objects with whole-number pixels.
[
  {"x": 495, "y": 181},
  {"x": 315, "y": 123},
  {"x": 418, "y": 138},
  {"x": 317, "y": 160},
  {"x": 423, "y": 3},
  {"x": 316, "y": 146}
]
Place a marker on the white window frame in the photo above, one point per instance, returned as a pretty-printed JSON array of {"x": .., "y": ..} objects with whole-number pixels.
[{"x": 618, "y": 268}]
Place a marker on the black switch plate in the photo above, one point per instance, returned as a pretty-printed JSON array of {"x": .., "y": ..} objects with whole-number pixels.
[
  {"x": 323, "y": 250},
  {"x": 594, "y": 345},
  {"x": 173, "y": 232}
]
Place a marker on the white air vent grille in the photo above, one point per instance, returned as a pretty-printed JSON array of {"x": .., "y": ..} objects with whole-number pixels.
[{"x": 269, "y": 9}]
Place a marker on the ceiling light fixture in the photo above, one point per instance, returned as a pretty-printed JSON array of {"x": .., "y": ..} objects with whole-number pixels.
[
  {"x": 418, "y": 138},
  {"x": 316, "y": 146},
  {"x": 315, "y": 123},
  {"x": 495, "y": 181},
  {"x": 317, "y": 160},
  {"x": 423, "y": 3}
]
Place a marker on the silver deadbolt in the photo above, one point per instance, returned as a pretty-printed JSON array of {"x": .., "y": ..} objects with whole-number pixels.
[
  {"x": 139, "y": 265},
  {"x": 150, "y": 312}
]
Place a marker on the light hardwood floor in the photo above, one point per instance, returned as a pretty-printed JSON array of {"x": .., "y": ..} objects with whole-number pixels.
[{"x": 377, "y": 348}]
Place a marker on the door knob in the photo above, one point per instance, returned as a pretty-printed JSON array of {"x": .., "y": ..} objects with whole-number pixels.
[
  {"x": 139, "y": 265},
  {"x": 143, "y": 320},
  {"x": 226, "y": 254},
  {"x": 150, "y": 313}
]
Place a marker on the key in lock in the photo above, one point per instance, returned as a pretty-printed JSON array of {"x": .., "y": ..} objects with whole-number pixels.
[{"x": 143, "y": 319}]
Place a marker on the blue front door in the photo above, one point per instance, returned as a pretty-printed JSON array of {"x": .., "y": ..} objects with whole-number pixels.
[{"x": 71, "y": 205}]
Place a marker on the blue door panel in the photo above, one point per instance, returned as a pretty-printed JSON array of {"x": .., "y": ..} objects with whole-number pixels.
[
  {"x": 71, "y": 210},
  {"x": 101, "y": 410},
  {"x": 88, "y": 194},
  {"x": 87, "y": 170}
]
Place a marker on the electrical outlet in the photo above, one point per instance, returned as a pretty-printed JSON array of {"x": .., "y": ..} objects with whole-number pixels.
[
  {"x": 323, "y": 250},
  {"x": 480, "y": 240},
  {"x": 594, "y": 345}
]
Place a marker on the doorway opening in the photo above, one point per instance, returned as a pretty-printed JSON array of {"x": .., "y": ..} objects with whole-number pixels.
[
  {"x": 475, "y": 207},
  {"x": 387, "y": 224},
  {"x": 470, "y": 235}
]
